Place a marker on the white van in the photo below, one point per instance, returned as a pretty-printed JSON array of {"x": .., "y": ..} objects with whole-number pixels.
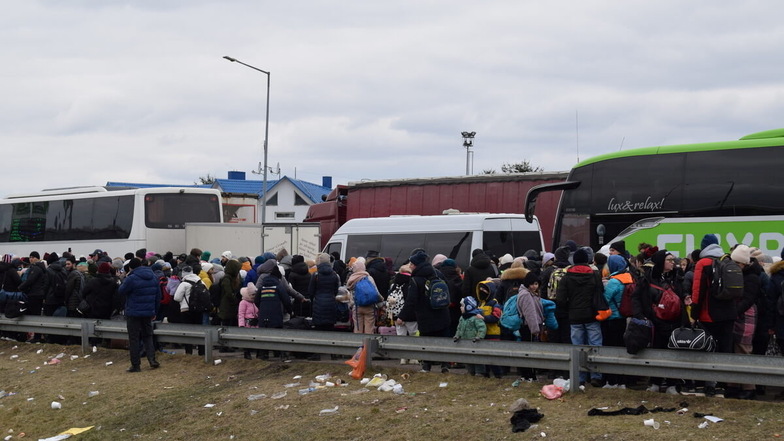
[{"x": 453, "y": 235}]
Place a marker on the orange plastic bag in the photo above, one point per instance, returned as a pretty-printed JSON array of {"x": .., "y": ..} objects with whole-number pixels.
[{"x": 358, "y": 362}]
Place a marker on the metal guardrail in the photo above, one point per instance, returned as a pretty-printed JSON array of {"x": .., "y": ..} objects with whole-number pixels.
[{"x": 749, "y": 369}]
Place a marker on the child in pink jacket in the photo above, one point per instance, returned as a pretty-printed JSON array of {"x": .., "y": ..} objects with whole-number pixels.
[{"x": 248, "y": 313}]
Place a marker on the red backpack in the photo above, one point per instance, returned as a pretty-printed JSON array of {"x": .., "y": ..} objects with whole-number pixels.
[
  {"x": 669, "y": 307},
  {"x": 625, "y": 308},
  {"x": 166, "y": 296}
]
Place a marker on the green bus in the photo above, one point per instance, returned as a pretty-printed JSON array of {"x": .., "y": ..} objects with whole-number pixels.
[{"x": 670, "y": 196}]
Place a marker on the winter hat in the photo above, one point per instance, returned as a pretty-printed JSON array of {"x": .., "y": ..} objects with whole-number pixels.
[
  {"x": 205, "y": 256},
  {"x": 104, "y": 268},
  {"x": 709, "y": 239},
  {"x": 658, "y": 259},
  {"x": 295, "y": 259},
  {"x": 187, "y": 270},
  {"x": 438, "y": 259},
  {"x": 547, "y": 257},
  {"x": 267, "y": 266},
  {"x": 572, "y": 245},
  {"x": 419, "y": 258},
  {"x": 249, "y": 292},
  {"x": 506, "y": 258},
  {"x": 562, "y": 254},
  {"x": 38, "y": 256},
  {"x": 281, "y": 254},
  {"x": 157, "y": 266},
  {"x": 358, "y": 266},
  {"x": 371, "y": 254},
  {"x": 268, "y": 255},
  {"x": 449, "y": 262},
  {"x": 581, "y": 256},
  {"x": 741, "y": 254},
  {"x": 476, "y": 251},
  {"x": 259, "y": 260},
  {"x": 469, "y": 304},
  {"x": 134, "y": 263},
  {"x": 226, "y": 254},
  {"x": 206, "y": 267},
  {"x": 619, "y": 246},
  {"x": 216, "y": 268},
  {"x": 530, "y": 279},
  {"x": 321, "y": 258},
  {"x": 616, "y": 263}
]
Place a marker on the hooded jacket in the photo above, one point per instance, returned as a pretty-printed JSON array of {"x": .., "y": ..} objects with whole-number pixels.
[
  {"x": 479, "y": 270},
  {"x": 230, "y": 288},
  {"x": 430, "y": 321},
  {"x": 576, "y": 291},
  {"x": 491, "y": 309},
  {"x": 36, "y": 281},
  {"x": 377, "y": 268},
  {"x": 322, "y": 290},
  {"x": 100, "y": 292},
  {"x": 272, "y": 300},
  {"x": 706, "y": 308},
  {"x": 142, "y": 292}
]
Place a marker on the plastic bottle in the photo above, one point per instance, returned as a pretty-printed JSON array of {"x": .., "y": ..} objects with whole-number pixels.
[{"x": 307, "y": 390}]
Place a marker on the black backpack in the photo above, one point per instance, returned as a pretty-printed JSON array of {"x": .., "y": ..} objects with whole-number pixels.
[
  {"x": 57, "y": 282},
  {"x": 199, "y": 298},
  {"x": 726, "y": 279}
]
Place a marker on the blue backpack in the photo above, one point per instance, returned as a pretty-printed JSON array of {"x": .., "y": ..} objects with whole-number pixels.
[
  {"x": 510, "y": 316},
  {"x": 365, "y": 293}
]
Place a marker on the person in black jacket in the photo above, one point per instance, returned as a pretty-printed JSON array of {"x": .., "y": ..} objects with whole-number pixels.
[
  {"x": 299, "y": 278},
  {"x": 743, "y": 331},
  {"x": 431, "y": 322},
  {"x": 479, "y": 270},
  {"x": 377, "y": 268},
  {"x": 323, "y": 289}
]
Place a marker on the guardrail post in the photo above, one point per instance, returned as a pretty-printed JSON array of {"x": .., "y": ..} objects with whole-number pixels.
[
  {"x": 576, "y": 356},
  {"x": 211, "y": 337},
  {"x": 371, "y": 344},
  {"x": 88, "y": 329}
]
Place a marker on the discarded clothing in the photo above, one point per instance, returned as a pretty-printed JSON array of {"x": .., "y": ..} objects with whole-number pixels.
[
  {"x": 522, "y": 419},
  {"x": 629, "y": 411}
]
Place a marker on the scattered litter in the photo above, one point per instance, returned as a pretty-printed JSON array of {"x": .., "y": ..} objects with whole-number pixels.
[
  {"x": 54, "y": 361},
  {"x": 544, "y": 435},
  {"x": 551, "y": 391},
  {"x": 375, "y": 382},
  {"x": 92, "y": 393},
  {"x": 443, "y": 384},
  {"x": 56, "y": 405},
  {"x": 651, "y": 423},
  {"x": 560, "y": 382},
  {"x": 40, "y": 351},
  {"x": 256, "y": 397},
  {"x": 522, "y": 419},
  {"x": 217, "y": 362},
  {"x": 282, "y": 407},
  {"x": 62, "y": 398},
  {"x": 7, "y": 438},
  {"x": 30, "y": 399},
  {"x": 387, "y": 386},
  {"x": 60, "y": 355},
  {"x": 219, "y": 413},
  {"x": 683, "y": 411},
  {"x": 208, "y": 405},
  {"x": 254, "y": 411},
  {"x": 329, "y": 384},
  {"x": 67, "y": 434},
  {"x": 398, "y": 389},
  {"x": 297, "y": 377},
  {"x": 95, "y": 349},
  {"x": 306, "y": 390},
  {"x": 74, "y": 357},
  {"x": 329, "y": 411},
  {"x": 279, "y": 395},
  {"x": 291, "y": 385},
  {"x": 14, "y": 357},
  {"x": 405, "y": 376},
  {"x": 323, "y": 378},
  {"x": 713, "y": 419},
  {"x": 703, "y": 425},
  {"x": 401, "y": 409},
  {"x": 364, "y": 381},
  {"x": 109, "y": 363}
]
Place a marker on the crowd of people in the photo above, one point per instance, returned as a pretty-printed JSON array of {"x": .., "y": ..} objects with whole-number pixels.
[{"x": 548, "y": 297}]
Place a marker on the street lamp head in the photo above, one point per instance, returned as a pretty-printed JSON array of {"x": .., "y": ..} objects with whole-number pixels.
[
  {"x": 229, "y": 58},
  {"x": 468, "y": 134}
]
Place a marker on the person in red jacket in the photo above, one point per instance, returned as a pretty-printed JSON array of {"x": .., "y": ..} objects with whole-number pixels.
[{"x": 716, "y": 316}]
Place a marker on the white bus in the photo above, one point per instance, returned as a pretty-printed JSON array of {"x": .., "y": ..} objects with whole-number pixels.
[
  {"x": 114, "y": 219},
  {"x": 454, "y": 235}
]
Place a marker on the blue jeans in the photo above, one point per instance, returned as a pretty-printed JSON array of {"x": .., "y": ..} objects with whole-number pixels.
[{"x": 587, "y": 334}]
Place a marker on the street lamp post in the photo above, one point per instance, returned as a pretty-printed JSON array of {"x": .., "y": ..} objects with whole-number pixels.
[
  {"x": 468, "y": 142},
  {"x": 266, "y": 134}
]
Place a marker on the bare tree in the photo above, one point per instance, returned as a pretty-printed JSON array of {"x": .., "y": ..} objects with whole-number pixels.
[
  {"x": 520, "y": 167},
  {"x": 205, "y": 180}
]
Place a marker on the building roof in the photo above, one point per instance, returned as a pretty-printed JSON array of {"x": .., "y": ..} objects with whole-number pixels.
[
  {"x": 241, "y": 186},
  {"x": 141, "y": 185}
]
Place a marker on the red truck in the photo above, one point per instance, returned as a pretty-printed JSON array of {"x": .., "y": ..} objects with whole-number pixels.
[{"x": 497, "y": 193}]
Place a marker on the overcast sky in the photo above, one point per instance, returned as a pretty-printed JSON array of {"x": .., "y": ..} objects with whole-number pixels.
[{"x": 97, "y": 91}]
